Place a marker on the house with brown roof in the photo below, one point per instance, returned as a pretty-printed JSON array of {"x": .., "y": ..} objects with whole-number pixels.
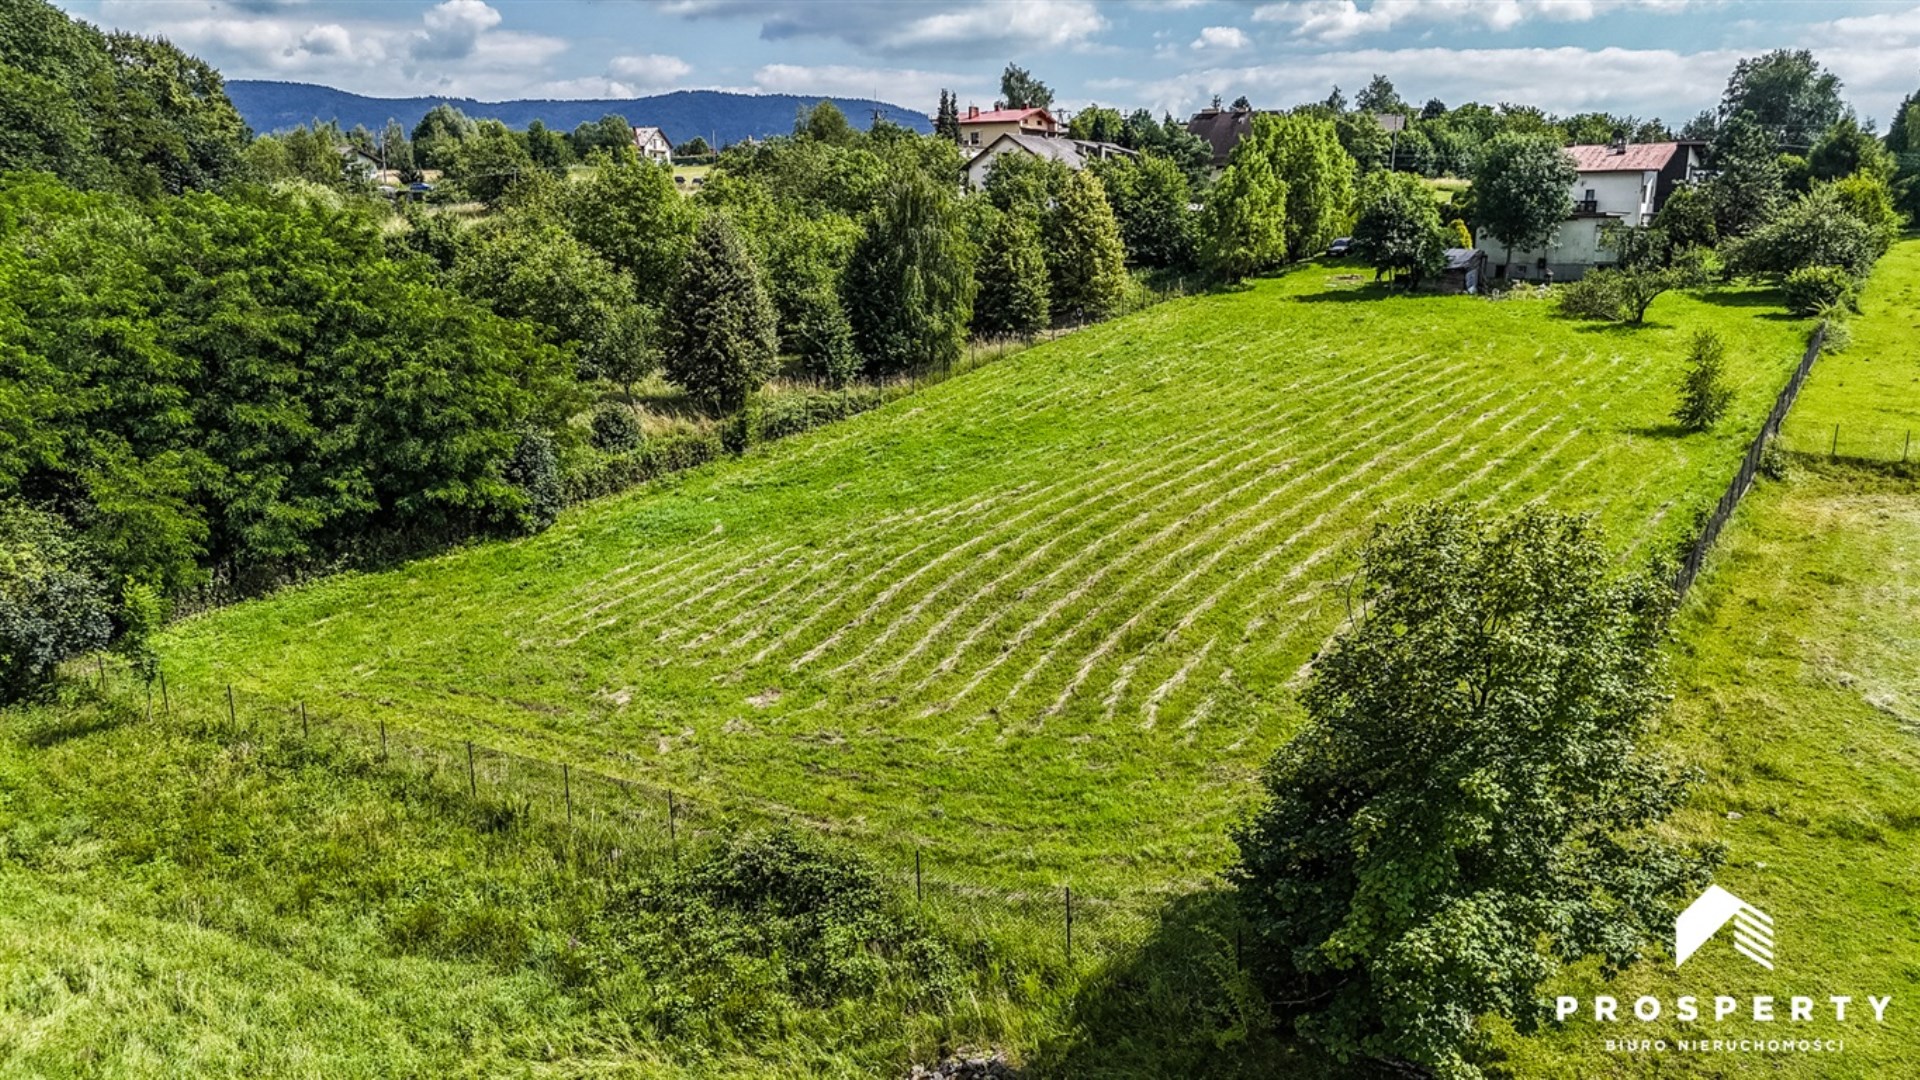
[
  {"x": 652, "y": 145},
  {"x": 979, "y": 128},
  {"x": 1621, "y": 182},
  {"x": 1223, "y": 129}
]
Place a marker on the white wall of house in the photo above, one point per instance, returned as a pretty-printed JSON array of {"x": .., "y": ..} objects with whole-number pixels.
[{"x": 1625, "y": 197}]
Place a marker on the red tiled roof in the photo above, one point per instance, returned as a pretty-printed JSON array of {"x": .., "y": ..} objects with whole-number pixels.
[
  {"x": 1637, "y": 157},
  {"x": 1003, "y": 116}
]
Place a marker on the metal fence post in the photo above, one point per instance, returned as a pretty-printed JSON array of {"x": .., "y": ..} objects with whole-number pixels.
[
  {"x": 1834, "y": 450},
  {"x": 303, "y": 720},
  {"x": 473, "y": 785},
  {"x": 566, "y": 783},
  {"x": 232, "y": 721},
  {"x": 1069, "y": 926},
  {"x": 383, "y": 738}
]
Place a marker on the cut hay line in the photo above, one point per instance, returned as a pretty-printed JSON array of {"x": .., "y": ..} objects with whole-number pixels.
[{"x": 1412, "y": 408}]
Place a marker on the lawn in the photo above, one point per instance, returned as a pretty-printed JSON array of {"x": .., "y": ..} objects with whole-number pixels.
[
  {"x": 1040, "y": 622},
  {"x": 1871, "y": 390}
]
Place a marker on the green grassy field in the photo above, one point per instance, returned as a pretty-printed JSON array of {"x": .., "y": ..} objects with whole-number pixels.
[
  {"x": 1871, "y": 390},
  {"x": 1039, "y": 621}
]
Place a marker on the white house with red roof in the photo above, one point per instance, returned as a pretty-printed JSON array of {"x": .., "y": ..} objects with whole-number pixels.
[
  {"x": 979, "y": 128},
  {"x": 1622, "y": 182}
]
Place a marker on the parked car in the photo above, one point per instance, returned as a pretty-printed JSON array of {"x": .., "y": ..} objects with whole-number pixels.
[{"x": 1340, "y": 247}]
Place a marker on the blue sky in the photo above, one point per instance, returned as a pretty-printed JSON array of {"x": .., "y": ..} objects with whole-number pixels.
[{"x": 1647, "y": 57}]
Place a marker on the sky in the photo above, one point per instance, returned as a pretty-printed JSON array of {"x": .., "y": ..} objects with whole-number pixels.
[{"x": 1665, "y": 58}]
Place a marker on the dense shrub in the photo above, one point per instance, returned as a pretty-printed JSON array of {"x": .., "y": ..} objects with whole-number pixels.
[
  {"x": 615, "y": 428},
  {"x": 720, "y": 324},
  {"x": 51, "y": 607},
  {"x": 534, "y": 472},
  {"x": 1812, "y": 289}
]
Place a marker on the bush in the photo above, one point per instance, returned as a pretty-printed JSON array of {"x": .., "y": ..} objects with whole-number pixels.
[
  {"x": 1813, "y": 289},
  {"x": 51, "y": 608},
  {"x": 1704, "y": 393},
  {"x": 534, "y": 472},
  {"x": 1597, "y": 295},
  {"x": 615, "y": 429}
]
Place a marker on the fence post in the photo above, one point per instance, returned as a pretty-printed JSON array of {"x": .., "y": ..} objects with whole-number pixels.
[
  {"x": 473, "y": 785},
  {"x": 1906, "y": 448},
  {"x": 149, "y": 702},
  {"x": 673, "y": 831},
  {"x": 166, "y": 706},
  {"x": 1834, "y": 450},
  {"x": 102, "y": 658},
  {"x": 919, "y": 893},
  {"x": 303, "y": 720},
  {"x": 1069, "y": 926},
  {"x": 566, "y": 783},
  {"x": 383, "y": 738},
  {"x": 232, "y": 721}
]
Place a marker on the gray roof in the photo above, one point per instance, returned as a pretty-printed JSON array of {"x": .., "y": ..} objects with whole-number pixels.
[
  {"x": 1073, "y": 153},
  {"x": 1461, "y": 258}
]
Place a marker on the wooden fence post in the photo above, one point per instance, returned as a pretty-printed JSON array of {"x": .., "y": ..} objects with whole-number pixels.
[
  {"x": 231, "y": 719},
  {"x": 166, "y": 706},
  {"x": 303, "y": 720},
  {"x": 473, "y": 785},
  {"x": 1069, "y": 926},
  {"x": 383, "y": 738},
  {"x": 919, "y": 893},
  {"x": 566, "y": 783},
  {"x": 1834, "y": 450}
]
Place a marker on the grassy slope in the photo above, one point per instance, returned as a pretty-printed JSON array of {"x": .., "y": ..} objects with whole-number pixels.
[
  {"x": 1040, "y": 618},
  {"x": 1871, "y": 390}
]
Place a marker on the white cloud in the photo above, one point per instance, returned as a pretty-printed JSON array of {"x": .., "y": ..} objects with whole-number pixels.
[
  {"x": 970, "y": 30},
  {"x": 330, "y": 39},
  {"x": 1646, "y": 82},
  {"x": 652, "y": 69},
  {"x": 1221, "y": 39},
  {"x": 1344, "y": 20},
  {"x": 453, "y": 29}
]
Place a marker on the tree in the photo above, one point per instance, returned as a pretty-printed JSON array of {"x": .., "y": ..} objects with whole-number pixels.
[
  {"x": 719, "y": 323},
  {"x": 437, "y": 137},
  {"x": 909, "y": 286},
  {"x": 549, "y": 149},
  {"x": 1434, "y": 109},
  {"x": 1025, "y": 184},
  {"x": 1686, "y": 219},
  {"x": 489, "y": 161},
  {"x": 1086, "y": 261},
  {"x": 1020, "y": 90},
  {"x": 1097, "y": 124},
  {"x": 1012, "y": 276},
  {"x": 1522, "y": 190},
  {"x": 1151, "y": 201},
  {"x": 1470, "y": 805},
  {"x": 1817, "y": 229},
  {"x": 807, "y": 258},
  {"x": 1364, "y": 140},
  {"x": 537, "y": 270},
  {"x": 1845, "y": 149},
  {"x": 1787, "y": 93},
  {"x": 611, "y": 133},
  {"x": 1307, "y": 158},
  {"x": 629, "y": 212},
  {"x": 1704, "y": 393},
  {"x": 1335, "y": 102},
  {"x": 1398, "y": 228},
  {"x": 1750, "y": 186},
  {"x": 1379, "y": 96},
  {"x": 825, "y": 123},
  {"x": 946, "y": 122},
  {"x": 694, "y": 147},
  {"x": 396, "y": 152},
  {"x": 1244, "y": 228}
]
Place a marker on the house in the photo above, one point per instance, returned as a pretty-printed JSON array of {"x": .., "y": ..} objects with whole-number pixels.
[
  {"x": 357, "y": 164},
  {"x": 652, "y": 144},
  {"x": 1466, "y": 269},
  {"x": 1624, "y": 183},
  {"x": 979, "y": 129},
  {"x": 1223, "y": 129},
  {"x": 1073, "y": 153}
]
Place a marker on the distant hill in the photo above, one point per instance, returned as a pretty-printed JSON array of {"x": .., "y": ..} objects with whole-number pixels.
[{"x": 719, "y": 117}]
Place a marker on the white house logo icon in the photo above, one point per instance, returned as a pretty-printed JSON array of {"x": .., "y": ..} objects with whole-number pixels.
[{"x": 1752, "y": 928}]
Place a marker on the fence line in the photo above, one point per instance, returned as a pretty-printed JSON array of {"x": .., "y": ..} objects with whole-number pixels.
[
  {"x": 608, "y": 823},
  {"x": 1749, "y": 465},
  {"x": 1888, "y": 444}
]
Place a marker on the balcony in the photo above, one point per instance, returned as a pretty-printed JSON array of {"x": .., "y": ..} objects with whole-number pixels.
[{"x": 1586, "y": 206}]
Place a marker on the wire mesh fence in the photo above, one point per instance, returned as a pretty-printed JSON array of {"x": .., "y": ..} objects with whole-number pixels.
[
  {"x": 1749, "y": 467},
  {"x": 1881, "y": 443},
  {"x": 605, "y": 821}
]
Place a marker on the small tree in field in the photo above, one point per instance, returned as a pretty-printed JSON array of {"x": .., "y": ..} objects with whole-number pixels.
[
  {"x": 720, "y": 325},
  {"x": 1468, "y": 808},
  {"x": 1704, "y": 393},
  {"x": 1012, "y": 279}
]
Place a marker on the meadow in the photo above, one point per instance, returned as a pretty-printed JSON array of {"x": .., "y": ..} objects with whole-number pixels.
[
  {"x": 1040, "y": 622},
  {"x": 1870, "y": 392}
]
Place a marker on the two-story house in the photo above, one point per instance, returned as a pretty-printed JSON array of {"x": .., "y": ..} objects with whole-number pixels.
[
  {"x": 1621, "y": 182},
  {"x": 978, "y": 129},
  {"x": 652, "y": 145}
]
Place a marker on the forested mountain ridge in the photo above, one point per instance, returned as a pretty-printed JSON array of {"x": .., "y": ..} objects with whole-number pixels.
[{"x": 717, "y": 116}]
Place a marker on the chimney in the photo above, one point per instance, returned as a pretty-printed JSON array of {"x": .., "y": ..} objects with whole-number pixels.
[
  {"x": 973, "y": 111},
  {"x": 1619, "y": 142}
]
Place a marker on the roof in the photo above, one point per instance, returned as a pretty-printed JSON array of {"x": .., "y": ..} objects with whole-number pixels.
[
  {"x": 1635, "y": 157},
  {"x": 1223, "y": 129},
  {"x": 1004, "y": 116},
  {"x": 641, "y": 134},
  {"x": 1065, "y": 151},
  {"x": 1461, "y": 258}
]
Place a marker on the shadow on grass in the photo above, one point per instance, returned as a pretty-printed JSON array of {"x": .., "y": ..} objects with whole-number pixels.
[
  {"x": 1748, "y": 298},
  {"x": 1180, "y": 1005},
  {"x": 1668, "y": 430},
  {"x": 67, "y": 724}
]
